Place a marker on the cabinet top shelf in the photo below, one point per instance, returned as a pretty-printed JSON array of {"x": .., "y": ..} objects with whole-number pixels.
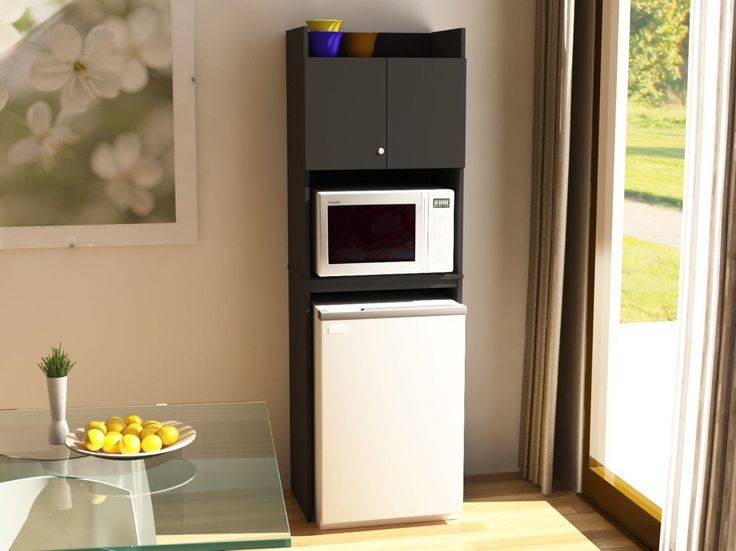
[{"x": 449, "y": 43}]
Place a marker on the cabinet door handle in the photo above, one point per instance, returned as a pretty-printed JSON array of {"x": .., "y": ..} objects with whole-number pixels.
[{"x": 381, "y": 151}]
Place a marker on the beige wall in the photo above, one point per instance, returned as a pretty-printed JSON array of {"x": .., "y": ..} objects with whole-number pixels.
[{"x": 209, "y": 322}]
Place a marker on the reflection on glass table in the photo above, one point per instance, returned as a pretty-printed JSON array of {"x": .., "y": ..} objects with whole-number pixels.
[{"x": 223, "y": 491}]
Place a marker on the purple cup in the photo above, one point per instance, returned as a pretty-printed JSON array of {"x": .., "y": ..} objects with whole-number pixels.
[{"x": 324, "y": 43}]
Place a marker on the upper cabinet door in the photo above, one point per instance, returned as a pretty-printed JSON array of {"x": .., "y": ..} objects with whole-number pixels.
[
  {"x": 345, "y": 113},
  {"x": 426, "y": 113}
]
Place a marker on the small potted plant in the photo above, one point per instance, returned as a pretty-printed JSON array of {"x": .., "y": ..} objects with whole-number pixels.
[{"x": 56, "y": 366}]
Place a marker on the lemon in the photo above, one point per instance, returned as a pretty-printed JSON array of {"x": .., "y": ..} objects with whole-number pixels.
[
  {"x": 112, "y": 442},
  {"x": 97, "y": 499},
  {"x": 94, "y": 439},
  {"x": 96, "y": 425},
  {"x": 151, "y": 443},
  {"x": 133, "y": 418},
  {"x": 115, "y": 424},
  {"x": 169, "y": 434},
  {"x": 151, "y": 429},
  {"x": 133, "y": 428},
  {"x": 152, "y": 422},
  {"x": 130, "y": 444}
]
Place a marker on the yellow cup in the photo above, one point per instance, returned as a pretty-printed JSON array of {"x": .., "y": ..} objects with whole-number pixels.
[
  {"x": 359, "y": 44},
  {"x": 324, "y": 24}
]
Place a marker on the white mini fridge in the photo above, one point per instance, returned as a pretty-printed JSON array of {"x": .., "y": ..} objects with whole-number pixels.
[{"x": 389, "y": 385}]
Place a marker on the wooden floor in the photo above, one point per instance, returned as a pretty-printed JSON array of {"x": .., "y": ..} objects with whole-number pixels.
[{"x": 500, "y": 512}]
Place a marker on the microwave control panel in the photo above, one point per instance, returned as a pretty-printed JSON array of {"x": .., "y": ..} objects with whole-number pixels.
[{"x": 440, "y": 230}]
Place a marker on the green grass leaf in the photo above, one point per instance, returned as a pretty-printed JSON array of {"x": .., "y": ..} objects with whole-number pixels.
[{"x": 649, "y": 281}]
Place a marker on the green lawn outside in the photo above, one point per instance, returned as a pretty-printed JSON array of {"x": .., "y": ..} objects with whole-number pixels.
[
  {"x": 655, "y": 149},
  {"x": 649, "y": 281}
]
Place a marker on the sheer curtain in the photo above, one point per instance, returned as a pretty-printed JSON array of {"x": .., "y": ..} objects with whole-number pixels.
[{"x": 699, "y": 510}]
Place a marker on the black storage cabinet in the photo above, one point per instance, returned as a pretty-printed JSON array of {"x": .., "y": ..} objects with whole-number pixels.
[{"x": 394, "y": 120}]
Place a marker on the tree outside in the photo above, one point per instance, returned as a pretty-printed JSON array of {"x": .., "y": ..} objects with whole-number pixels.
[{"x": 658, "y": 51}]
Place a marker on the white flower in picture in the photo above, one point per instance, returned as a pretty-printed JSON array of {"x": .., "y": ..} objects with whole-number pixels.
[
  {"x": 128, "y": 174},
  {"x": 115, "y": 6},
  {"x": 48, "y": 137},
  {"x": 157, "y": 133},
  {"x": 163, "y": 8},
  {"x": 10, "y": 12},
  {"x": 139, "y": 46},
  {"x": 4, "y": 97},
  {"x": 9, "y": 36},
  {"x": 82, "y": 69},
  {"x": 41, "y": 10}
]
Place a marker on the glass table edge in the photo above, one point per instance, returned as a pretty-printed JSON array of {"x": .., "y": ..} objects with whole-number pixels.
[
  {"x": 277, "y": 543},
  {"x": 274, "y": 543},
  {"x": 163, "y": 404},
  {"x": 278, "y": 470}
]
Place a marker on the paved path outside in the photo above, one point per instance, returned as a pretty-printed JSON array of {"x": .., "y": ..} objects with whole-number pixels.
[{"x": 652, "y": 223}]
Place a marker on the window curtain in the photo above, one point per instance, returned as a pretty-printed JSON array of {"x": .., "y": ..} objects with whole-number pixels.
[
  {"x": 700, "y": 510},
  {"x": 550, "y": 166},
  {"x": 574, "y": 344},
  {"x": 720, "y": 508}
]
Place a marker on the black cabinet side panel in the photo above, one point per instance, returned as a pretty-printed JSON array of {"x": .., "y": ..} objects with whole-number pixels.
[
  {"x": 459, "y": 222},
  {"x": 345, "y": 113},
  {"x": 426, "y": 113},
  {"x": 298, "y": 214},
  {"x": 449, "y": 43},
  {"x": 301, "y": 398}
]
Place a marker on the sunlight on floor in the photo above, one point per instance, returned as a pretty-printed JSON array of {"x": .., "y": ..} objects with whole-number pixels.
[{"x": 483, "y": 525}]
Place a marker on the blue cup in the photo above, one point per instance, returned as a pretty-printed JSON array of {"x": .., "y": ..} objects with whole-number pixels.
[{"x": 324, "y": 43}]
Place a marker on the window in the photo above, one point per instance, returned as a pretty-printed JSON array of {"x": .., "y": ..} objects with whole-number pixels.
[{"x": 644, "y": 53}]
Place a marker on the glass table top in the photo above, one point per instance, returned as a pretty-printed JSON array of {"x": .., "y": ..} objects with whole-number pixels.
[{"x": 222, "y": 491}]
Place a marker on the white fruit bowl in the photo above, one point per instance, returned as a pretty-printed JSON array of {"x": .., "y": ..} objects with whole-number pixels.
[{"x": 75, "y": 441}]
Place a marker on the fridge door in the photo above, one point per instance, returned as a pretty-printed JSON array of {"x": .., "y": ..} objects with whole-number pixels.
[{"x": 389, "y": 412}]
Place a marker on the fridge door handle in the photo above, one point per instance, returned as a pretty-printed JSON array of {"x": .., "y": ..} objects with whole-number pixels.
[{"x": 395, "y": 312}]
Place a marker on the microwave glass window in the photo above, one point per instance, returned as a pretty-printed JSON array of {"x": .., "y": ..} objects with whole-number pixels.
[{"x": 371, "y": 233}]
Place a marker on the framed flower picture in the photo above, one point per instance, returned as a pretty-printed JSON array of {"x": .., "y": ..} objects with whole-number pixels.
[{"x": 97, "y": 123}]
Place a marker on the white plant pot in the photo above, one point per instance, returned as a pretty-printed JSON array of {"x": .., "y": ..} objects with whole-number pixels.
[{"x": 58, "y": 429}]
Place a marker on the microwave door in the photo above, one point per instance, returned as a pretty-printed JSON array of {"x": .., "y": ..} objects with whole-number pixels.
[
  {"x": 361, "y": 234},
  {"x": 370, "y": 233}
]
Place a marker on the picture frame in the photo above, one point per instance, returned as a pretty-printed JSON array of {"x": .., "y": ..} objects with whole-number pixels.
[{"x": 183, "y": 228}]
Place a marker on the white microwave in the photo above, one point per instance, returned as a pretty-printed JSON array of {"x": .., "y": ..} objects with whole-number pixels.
[{"x": 384, "y": 232}]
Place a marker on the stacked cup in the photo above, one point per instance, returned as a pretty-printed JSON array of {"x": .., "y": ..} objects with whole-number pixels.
[{"x": 325, "y": 37}]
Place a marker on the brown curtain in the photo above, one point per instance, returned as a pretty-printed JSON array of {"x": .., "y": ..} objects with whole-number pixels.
[
  {"x": 574, "y": 344},
  {"x": 550, "y": 163},
  {"x": 719, "y": 513}
]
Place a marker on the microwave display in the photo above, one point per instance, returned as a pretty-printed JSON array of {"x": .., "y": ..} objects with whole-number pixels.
[{"x": 371, "y": 233}]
